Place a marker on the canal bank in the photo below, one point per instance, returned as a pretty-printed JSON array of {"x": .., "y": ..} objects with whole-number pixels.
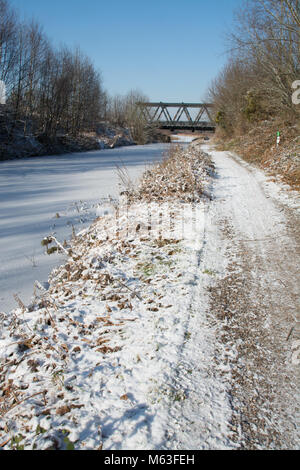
[{"x": 60, "y": 195}]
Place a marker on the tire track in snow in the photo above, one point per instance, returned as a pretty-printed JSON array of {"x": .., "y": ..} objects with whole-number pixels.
[{"x": 257, "y": 302}]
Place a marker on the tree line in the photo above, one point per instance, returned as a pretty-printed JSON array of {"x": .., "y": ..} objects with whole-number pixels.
[
  {"x": 264, "y": 63},
  {"x": 56, "y": 89}
]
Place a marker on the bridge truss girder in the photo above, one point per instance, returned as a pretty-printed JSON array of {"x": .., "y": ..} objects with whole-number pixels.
[{"x": 158, "y": 114}]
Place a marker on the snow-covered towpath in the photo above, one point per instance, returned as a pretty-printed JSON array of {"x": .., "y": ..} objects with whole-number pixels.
[
  {"x": 257, "y": 302},
  {"x": 244, "y": 351}
]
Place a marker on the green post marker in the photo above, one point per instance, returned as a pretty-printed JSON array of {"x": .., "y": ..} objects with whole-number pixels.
[{"x": 278, "y": 138}]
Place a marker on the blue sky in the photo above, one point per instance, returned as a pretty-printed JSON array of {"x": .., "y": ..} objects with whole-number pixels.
[{"x": 169, "y": 49}]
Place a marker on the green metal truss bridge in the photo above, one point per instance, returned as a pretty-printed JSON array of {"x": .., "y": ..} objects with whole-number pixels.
[{"x": 178, "y": 116}]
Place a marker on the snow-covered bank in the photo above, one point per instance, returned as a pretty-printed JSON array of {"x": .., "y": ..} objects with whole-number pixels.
[
  {"x": 172, "y": 325},
  {"x": 182, "y": 138},
  {"x": 39, "y": 196},
  {"x": 18, "y": 139},
  {"x": 122, "y": 341}
]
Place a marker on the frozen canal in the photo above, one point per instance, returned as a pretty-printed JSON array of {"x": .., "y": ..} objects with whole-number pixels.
[{"x": 40, "y": 196}]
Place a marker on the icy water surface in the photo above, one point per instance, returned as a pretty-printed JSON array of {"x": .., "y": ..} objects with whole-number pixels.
[{"x": 40, "y": 196}]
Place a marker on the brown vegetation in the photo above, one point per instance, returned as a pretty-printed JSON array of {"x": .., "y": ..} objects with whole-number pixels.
[
  {"x": 253, "y": 93},
  {"x": 180, "y": 176},
  {"x": 258, "y": 146}
]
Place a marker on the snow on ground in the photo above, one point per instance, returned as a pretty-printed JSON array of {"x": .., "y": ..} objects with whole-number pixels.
[
  {"x": 258, "y": 302},
  {"x": 39, "y": 196},
  {"x": 167, "y": 327},
  {"x": 182, "y": 138},
  {"x": 273, "y": 186},
  {"x": 107, "y": 357}
]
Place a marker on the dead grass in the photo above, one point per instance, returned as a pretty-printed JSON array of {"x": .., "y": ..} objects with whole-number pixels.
[
  {"x": 180, "y": 176},
  {"x": 258, "y": 146}
]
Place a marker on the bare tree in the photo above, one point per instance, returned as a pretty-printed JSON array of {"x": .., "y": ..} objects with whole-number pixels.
[
  {"x": 123, "y": 111},
  {"x": 264, "y": 63},
  {"x": 8, "y": 43}
]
